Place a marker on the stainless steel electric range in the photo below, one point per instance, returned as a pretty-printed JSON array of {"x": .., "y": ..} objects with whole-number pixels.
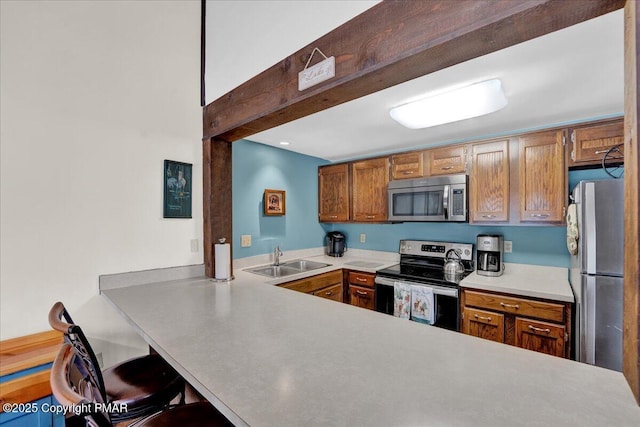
[{"x": 422, "y": 263}]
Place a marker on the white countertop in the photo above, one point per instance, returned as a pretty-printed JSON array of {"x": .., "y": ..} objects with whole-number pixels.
[
  {"x": 268, "y": 356},
  {"x": 526, "y": 280}
]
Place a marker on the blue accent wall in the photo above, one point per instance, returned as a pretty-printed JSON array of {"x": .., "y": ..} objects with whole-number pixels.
[{"x": 257, "y": 166}]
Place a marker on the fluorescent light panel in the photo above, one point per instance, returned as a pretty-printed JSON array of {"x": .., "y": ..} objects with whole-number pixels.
[{"x": 470, "y": 101}]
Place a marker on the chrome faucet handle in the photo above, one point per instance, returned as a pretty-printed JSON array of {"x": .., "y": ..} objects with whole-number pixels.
[{"x": 277, "y": 253}]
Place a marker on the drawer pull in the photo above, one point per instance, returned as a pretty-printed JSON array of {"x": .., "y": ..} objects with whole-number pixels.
[
  {"x": 516, "y": 306},
  {"x": 540, "y": 215},
  {"x": 360, "y": 279},
  {"x": 600, "y": 151},
  {"x": 533, "y": 328},
  {"x": 488, "y": 216},
  {"x": 488, "y": 319},
  {"x": 333, "y": 216},
  {"x": 408, "y": 173},
  {"x": 361, "y": 292},
  {"x": 328, "y": 293},
  {"x": 370, "y": 216},
  {"x": 446, "y": 168}
]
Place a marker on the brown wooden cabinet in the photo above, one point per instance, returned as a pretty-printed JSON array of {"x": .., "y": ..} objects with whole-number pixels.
[
  {"x": 447, "y": 160},
  {"x": 539, "y": 325},
  {"x": 407, "y": 165},
  {"x": 369, "y": 190},
  {"x": 333, "y": 193},
  {"x": 489, "y": 182},
  {"x": 590, "y": 143},
  {"x": 326, "y": 285},
  {"x": 361, "y": 289},
  {"x": 543, "y": 188}
]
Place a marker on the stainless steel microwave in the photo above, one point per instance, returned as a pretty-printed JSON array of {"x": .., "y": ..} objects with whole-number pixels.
[{"x": 442, "y": 198}]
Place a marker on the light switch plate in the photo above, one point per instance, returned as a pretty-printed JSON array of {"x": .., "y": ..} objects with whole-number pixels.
[
  {"x": 363, "y": 238},
  {"x": 508, "y": 246},
  {"x": 195, "y": 246},
  {"x": 245, "y": 240}
]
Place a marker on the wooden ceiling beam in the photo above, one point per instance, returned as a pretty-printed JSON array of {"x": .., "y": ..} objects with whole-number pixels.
[{"x": 391, "y": 43}]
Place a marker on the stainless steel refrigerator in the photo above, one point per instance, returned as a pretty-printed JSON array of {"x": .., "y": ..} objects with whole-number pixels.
[{"x": 597, "y": 272}]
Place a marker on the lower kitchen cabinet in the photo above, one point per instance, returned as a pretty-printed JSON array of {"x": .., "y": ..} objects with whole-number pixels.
[
  {"x": 326, "y": 285},
  {"x": 361, "y": 289},
  {"x": 534, "y": 324}
]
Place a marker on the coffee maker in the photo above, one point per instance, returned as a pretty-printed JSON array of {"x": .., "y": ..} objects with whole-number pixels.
[
  {"x": 336, "y": 243},
  {"x": 489, "y": 251}
]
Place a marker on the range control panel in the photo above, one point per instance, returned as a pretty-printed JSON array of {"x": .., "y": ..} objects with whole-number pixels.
[{"x": 435, "y": 249}]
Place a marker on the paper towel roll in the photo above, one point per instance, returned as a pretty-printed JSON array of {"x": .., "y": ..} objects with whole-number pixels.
[{"x": 223, "y": 261}]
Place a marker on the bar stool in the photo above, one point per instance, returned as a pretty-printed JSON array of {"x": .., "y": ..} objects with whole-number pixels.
[
  {"x": 73, "y": 386},
  {"x": 145, "y": 384}
]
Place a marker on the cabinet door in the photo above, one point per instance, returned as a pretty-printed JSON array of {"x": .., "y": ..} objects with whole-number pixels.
[
  {"x": 483, "y": 324},
  {"x": 407, "y": 165},
  {"x": 369, "y": 197},
  {"x": 490, "y": 182},
  {"x": 448, "y": 160},
  {"x": 333, "y": 292},
  {"x": 333, "y": 193},
  {"x": 542, "y": 177},
  {"x": 590, "y": 143},
  {"x": 540, "y": 336},
  {"x": 362, "y": 297}
]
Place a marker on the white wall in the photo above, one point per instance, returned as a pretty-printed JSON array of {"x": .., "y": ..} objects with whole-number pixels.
[
  {"x": 247, "y": 37},
  {"x": 94, "y": 96}
]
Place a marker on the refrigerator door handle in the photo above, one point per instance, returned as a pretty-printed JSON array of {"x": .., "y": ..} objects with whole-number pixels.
[
  {"x": 589, "y": 217},
  {"x": 588, "y": 321}
]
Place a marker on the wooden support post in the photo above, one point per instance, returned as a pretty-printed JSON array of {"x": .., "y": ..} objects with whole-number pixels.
[
  {"x": 217, "y": 202},
  {"x": 631, "y": 318}
]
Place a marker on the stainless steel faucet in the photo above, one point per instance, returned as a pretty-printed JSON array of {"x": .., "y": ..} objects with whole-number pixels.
[{"x": 277, "y": 253}]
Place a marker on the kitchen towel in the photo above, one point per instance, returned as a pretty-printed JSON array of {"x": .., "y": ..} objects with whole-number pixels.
[
  {"x": 222, "y": 261},
  {"x": 572, "y": 229},
  {"x": 401, "y": 299},
  {"x": 422, "y": 304}
]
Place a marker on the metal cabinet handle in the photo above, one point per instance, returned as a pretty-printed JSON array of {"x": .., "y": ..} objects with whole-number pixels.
[
  {"x": 600, "y": 151},
  {"x": 361, "y": 293},
  {"x": 488, "y": 216},
  {"x": 333, "y": 216},
  {"x": 360, "y": 279},
  {"x": 516, "y": 306},
  {"x": 328, "y": 293},
  {"x": 370, "y": 216},
  {"x": 540, "y": 215},
  {"x": 408, "y": 172},
  {"x": 533, "y": 328},
  {"x": 446, "y": 168},
  {"x": 488, "y": 319}
]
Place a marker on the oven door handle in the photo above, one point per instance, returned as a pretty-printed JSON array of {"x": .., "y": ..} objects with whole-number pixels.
[{"x": 437, "y": 290}]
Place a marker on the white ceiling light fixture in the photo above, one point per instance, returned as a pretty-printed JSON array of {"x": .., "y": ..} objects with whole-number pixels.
[{"x": 475, "y": 100}]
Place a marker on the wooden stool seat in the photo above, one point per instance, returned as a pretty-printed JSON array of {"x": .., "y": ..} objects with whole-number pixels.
[{"x": 193, "y": 414}]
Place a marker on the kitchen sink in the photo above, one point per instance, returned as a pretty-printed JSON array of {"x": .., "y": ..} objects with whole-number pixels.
[{"x": 287, "y": 268}]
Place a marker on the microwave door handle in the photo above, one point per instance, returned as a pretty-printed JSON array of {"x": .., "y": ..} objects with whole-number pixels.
[{"x": 445, "y": 202}]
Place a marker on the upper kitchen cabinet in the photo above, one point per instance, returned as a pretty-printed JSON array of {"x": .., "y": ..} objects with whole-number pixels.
[
  {"x": 542, "y": 174},
  {"x": 447, "y": 160},
  {"x": 590, "y": 143},
  {"x": 369, "y": 190},
  {"x": 489, "y": 182},
  {"x": 408, "y": 165},
  {"x": 333, "y": 193}
]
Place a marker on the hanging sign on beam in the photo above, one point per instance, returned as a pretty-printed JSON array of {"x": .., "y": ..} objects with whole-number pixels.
[{"x": 323, "y": 70}]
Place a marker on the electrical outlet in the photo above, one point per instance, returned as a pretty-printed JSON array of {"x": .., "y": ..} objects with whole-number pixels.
[
  {"x": 195, "y": 246},
  {"x": 363, "y": 238},
  {"x": 245, "y": 241},
  {"x": 508, "y": 246}
]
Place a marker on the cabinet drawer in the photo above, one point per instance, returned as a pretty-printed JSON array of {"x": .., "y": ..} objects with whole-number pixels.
[
  {"x": 483, "y": 324},
  {"x": 314, "y": 283},
  {"x": 516, "y": 305},
  {"x": 362, "y": 279},
  {"x": 407, "y": 165},
  {"x": 362, "y": 297},
  {"x": 542, "y": 337},
  {"x": 333, "y": 292}
]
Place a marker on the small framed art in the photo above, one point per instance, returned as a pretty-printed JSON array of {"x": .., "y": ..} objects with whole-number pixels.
[{"x": 274, "y": 202}]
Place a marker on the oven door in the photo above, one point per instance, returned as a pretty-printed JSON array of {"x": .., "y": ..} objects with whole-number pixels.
[{"x": 446, "y": 304}]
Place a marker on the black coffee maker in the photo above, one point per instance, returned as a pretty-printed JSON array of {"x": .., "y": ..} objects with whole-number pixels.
[{"x": 336, "y": 243}]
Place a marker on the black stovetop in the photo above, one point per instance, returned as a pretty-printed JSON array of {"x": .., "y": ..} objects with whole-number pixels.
[{"x": 424, "y": 271}]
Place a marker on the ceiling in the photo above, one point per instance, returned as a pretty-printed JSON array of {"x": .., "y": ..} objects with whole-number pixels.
[{"x": 572, "y": 75}]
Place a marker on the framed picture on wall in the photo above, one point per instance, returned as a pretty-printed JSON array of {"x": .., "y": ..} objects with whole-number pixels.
[
  {"x": 274, "y": 202},
  {"x": 177, "y": 189}
]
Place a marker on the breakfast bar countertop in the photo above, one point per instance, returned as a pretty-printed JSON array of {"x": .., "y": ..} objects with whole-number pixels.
[{"x": 269, "y": 356}]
